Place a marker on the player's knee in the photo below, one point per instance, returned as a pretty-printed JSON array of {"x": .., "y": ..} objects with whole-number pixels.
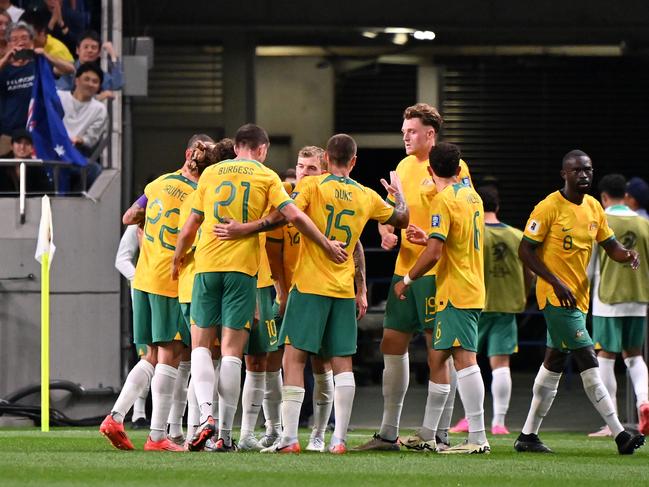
[
  {"x": 554, "y": 360},
  {"x": 585, "y": 358},
  {"x": 256, "y": 363}
]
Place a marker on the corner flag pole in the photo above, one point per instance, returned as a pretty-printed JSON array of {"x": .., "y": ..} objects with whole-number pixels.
[
  {"x": 44, "y": 253},
  {"x": 45, "y": 342}
]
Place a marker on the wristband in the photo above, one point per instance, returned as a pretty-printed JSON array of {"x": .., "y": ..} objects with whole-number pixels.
[{"x": 406, "y": 280}]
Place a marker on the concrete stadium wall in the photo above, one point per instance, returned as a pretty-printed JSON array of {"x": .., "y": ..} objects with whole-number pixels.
[
  {"x": 295, "y": 99},
  {"x": 85, "y": 300}
]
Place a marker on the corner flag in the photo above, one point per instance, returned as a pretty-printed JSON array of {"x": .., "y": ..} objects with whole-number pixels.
[{"x": 44, "y": 253}]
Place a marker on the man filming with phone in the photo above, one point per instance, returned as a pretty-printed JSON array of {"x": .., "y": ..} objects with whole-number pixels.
[{"x": 17, "y": 79}]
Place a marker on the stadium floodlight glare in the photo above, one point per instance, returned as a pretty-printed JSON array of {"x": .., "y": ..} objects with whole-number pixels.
[
  {"x": 424, "y": 35},
  {"x": 370, "y": 34},
  {"x": 400, "y": 38},
  {"x": 398, "y": 30}
]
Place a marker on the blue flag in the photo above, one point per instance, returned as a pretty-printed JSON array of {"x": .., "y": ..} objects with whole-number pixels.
[{"x": 45, "y": 119}]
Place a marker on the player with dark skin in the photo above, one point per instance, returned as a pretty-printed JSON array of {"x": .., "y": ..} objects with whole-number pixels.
[
  {"x": 563, "y": 295},
  {"x": 577, "y": 173}
]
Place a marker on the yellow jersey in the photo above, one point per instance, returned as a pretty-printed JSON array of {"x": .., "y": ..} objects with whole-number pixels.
[
  {"x": 458, "y": 219},
  {"x": 239, "y": 189},
  {"x": 187, "y": 271},
  {"x": 264, "y": 278},
  {"x": 289, "y": 238},
  {"x": 565, "y": 232},
  {"x": 418, "y": 191},
  {"x": 165, "y": 196},
  {"x": 340, "y": 207}
]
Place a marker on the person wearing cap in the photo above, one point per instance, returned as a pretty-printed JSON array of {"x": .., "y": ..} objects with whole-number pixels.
[
  {"x": 637, "y": 196},
  {"x": 37, "y": 179}
]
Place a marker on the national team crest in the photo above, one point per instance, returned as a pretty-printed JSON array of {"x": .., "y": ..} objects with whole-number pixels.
[
  {"x": 435, "y": 221},
  {"x": 592, "y": 226}
]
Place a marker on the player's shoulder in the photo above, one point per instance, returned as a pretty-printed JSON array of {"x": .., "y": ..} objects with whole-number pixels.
[
  {"x": 593, "y": 203},
  {"x": 406, "y": 163}
]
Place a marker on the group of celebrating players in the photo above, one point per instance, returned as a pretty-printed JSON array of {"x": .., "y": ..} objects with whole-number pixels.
[{"x": 220, "y": 233}]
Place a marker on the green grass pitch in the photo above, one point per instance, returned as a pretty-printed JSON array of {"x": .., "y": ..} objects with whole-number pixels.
[{"x": 67, "y": 457}]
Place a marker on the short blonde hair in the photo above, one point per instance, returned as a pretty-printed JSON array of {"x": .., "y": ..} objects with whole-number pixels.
[{"x": 313, "y": 151}]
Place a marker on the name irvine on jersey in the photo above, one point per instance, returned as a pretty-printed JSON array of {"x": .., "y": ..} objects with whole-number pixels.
[
  {"x": 247, "y": 171},
  {"x": 175, "y": 192},
  {"x": 343, "y": 195}
]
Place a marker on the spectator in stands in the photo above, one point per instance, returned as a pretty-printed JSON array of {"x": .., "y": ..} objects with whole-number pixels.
[
  {"x": 38, "y": 19},
  {"x": 84, "y": 117},
  {"x": 37, "y": 179},
  {"x": 5, "y": 20},
  {"x": 637, "y": 196},
  {"x": 13, "y": 11},
  {"x": 64, "y": 23},
  {"x": 17, "y": 79},
  {"x": 89, "y": 51}
]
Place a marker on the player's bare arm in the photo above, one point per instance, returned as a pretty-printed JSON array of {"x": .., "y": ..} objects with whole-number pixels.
[
  {"x": 275, "y": 253},
  {"x": 334, "y": 249},
  {"x": 359, "y": 280},
  {"x": 401, "y": 215},
  {"x": 134, "y": 215},
  {"x": 426, "y": 261},
  {"x": 185, "y": 240},
  {"x": 527, "y": 253},
  {"x": 232, "y": 229},
  {"x": 619, "y": 253}
]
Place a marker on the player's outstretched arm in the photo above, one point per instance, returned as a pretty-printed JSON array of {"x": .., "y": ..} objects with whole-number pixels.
[
  {"x": 185, "y": 240},
  {"x": 616, "y": 251},
  {"x": 426, "y": 261},
  {"x": 401, "y": 215},
  {"x": 527, "y": 253},
  {"x": 232, "y": 229},
  {"x": 359, "y": 280},
  {"x": 335, "y": 250}
]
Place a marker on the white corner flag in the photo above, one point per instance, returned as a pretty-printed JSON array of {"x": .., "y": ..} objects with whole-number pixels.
[
  {"x": 44, "y": 253},
  {"x": 45, "y": 242}
]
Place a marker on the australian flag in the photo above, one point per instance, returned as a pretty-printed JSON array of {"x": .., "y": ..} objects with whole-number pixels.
[{"x": 45, "y": 119}]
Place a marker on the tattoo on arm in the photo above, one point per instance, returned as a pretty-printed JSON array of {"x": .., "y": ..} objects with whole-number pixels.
[
  {"x": 401, "y": 215},
  {"x": 359, "y": 267}
]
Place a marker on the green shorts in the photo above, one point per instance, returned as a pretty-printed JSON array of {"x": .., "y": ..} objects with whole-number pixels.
[
  {"x": 320, "y": 324},
  {"x": 456, "y": 327},
  {"x": 263, "y": 335},
  {"x": 497, "y": 334},
  {"x": 185, "y": 309},
  {"x": 614, "y": 334},
  {"x": 414, "y": 314},
  {"x": 223, "y": 298},
  {"x": 157, "y": 319},
  {"x": 566, "y": 328}
]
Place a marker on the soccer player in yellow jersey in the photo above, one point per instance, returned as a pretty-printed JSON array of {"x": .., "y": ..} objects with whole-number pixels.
[
  {"x": 224, "y": 285},
  {"x": 224, "y": 149},
  {"x": 157, "y": 320},
  {"x": 320, "y": 315},
  {"x": 403, "y": 319},
  {"x": 557, "y": 246},
  {"x": 456, "y": 241}
]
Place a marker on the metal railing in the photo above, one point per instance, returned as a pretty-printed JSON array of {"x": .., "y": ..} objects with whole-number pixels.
[{"x": 22, "y": 187}]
